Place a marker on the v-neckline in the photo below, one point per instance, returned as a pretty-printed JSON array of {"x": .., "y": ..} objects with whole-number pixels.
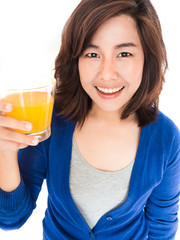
[{"x": 127, "y": 202}]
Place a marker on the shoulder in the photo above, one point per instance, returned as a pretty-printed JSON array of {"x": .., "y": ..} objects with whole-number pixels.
[
  {"x": 165, "y": 120},
  {"x": 59, "y": 121},
  {"x": 165, "y": 127},
  {"x": 164, "y": 134},
  {"x": 61, "y": 130}
]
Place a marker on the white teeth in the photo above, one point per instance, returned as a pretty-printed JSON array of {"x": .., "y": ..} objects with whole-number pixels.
[{"x": 109, "y": 90}]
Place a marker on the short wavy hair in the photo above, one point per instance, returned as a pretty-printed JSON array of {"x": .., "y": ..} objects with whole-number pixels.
[{"x": 71, "y": 100}]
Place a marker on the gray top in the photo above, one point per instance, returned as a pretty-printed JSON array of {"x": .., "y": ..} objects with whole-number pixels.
[{"x": 96, "y": 192}]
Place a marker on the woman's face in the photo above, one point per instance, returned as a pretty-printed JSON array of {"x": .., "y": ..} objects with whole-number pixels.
[{"x": 111, "y": 67}]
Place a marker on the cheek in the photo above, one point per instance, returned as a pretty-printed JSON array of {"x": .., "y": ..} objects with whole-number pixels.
[
  {"x": 80, "y": 68},
  {"x": 83, "y": 69},
  {"x": 87, "y": 72},
  {"x": 132, "y": 73},
  {"x": 84, "y": 75}
]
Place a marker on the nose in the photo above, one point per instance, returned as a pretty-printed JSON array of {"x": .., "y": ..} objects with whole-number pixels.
[{"x": 108, "y": 70}]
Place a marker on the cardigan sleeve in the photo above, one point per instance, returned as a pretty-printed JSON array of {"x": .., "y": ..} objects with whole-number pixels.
[
  {"x": 162, "y": 206},
  {"x": 17, "y": 206}
]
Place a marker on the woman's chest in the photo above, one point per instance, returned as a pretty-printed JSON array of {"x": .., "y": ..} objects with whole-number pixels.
[{"x": 108, "y": 150}]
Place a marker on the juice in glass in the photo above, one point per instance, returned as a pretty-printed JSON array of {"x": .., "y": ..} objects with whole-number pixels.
[{"x": 35, "y": 106}]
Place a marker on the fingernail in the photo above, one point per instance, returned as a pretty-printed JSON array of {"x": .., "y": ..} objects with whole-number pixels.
[
  {"x": 8, "y": 107},
  {"x": 28, "y": 126},
  {"x": 35, "y": 141}
]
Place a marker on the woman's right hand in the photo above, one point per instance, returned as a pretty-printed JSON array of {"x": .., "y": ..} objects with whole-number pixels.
[{"x": 10, "y": 139}]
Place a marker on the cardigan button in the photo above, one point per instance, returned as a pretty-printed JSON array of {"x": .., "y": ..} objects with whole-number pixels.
[
  {"x": 109, "y": 218},
  {"x": 91, "y": 235}
]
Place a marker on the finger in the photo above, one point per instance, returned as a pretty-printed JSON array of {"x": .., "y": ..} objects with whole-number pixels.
[
  {"x": 19, "y": 138},
  {"x": 11, "y": 146},
  {"x": 9, "y": 122},
  {"x": 21, "y": 146},
  {"x": 5, "y": 107}
]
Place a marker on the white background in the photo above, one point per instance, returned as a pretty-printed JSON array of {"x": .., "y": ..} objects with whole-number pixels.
[{"x": 30, "y": 36}]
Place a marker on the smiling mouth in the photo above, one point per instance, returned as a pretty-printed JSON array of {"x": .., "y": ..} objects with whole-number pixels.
[{"x": 109, "y": 91}]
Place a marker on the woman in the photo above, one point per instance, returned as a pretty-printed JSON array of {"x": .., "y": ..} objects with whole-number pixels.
[{"x": 112, "y": 162}]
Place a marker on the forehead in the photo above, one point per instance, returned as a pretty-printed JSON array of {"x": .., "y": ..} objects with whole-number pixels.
[{"x": 118, "y": 29}]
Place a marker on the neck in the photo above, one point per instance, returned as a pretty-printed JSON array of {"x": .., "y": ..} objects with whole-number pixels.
[{"x": 110, "y": 116}]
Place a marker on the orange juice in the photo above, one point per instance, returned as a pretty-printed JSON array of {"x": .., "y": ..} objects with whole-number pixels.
[{"x": 32, "y": 106}]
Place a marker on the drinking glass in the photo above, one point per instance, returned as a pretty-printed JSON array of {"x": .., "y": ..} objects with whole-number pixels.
[{"x": 34, "y": 105}]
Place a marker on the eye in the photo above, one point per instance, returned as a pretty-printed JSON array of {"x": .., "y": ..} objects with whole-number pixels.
[
  {"x": 92, "y": 55},
  {"x": 124, "y": 54}
]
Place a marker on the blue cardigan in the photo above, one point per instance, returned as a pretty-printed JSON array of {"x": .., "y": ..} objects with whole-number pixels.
[{"x": 150, "y": 210}]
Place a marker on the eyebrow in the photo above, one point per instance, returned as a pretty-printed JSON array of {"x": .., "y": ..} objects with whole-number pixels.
[
  {"x": 129, "y": 44},
  {"x": 122, "y": 45}
]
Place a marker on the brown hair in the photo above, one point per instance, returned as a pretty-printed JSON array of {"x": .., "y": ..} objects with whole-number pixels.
[{"x": 71, "y": 100}]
